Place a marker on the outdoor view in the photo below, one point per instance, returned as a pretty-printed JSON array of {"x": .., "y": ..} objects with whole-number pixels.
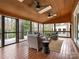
[
  {"x": 34, "y": 27},
  {"x": 48, "y": 28},
  {"x": 24, "y": 28},
  {"x": 10, "y": 30},
  {"x": 41, "y": 28},
  {"x": 26, "y": 25},
  {"x": 63, "y": 29}
]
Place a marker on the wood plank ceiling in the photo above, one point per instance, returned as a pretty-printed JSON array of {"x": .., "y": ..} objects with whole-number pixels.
[{"x": 26, "y": 9}]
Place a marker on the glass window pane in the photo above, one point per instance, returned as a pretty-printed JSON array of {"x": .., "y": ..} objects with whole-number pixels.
[
  {"x": 63, "y": 29},
  {"x": 41, "y": 28},
  {"x": 78, "y": 35},
  {"x": 34, "y": 27},
  {"x": 10, "y": 38},
  {"x": 0, "y": 30},
  {"x": 10, "y": 25},
  {"x": 78, "y": 28},
  {"x": 65, "y": 34},
  {"x": 78, "y": 31},
  {"x": 48, "y": 28},
  {"x": 0, "y": 38},
  {"x": 26, "y": 25},
  {"x": 24, "y": 28},
  {"x": 10, "y": 30}
]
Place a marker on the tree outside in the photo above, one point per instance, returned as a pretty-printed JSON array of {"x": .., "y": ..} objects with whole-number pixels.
[{"x": 26, "y": 26}]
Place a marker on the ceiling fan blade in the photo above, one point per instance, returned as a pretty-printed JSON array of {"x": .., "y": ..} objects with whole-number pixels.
[
  {"x": 45, "y": 9},
  {"x": 41, "y": 8}
]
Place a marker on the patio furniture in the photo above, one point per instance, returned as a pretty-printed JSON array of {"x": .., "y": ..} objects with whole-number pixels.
[
  {"x": 34, "y": 41},
  {"x": 55, "y": 45},
  {"x": 54, "y": 36},
  {"x": 45, "y": 46}
]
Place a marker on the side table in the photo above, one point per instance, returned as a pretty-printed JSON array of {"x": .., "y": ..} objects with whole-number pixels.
[{"x": 46, "y": 46}]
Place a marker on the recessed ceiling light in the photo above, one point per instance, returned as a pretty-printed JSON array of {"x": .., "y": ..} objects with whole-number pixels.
[{"x": 20, "y": 0}]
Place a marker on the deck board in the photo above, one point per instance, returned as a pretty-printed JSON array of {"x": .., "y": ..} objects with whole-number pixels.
[{"x": 22, "y": 51}]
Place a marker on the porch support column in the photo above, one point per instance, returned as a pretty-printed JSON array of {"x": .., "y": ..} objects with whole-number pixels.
[
  {"x": 17, "y": 30},
  {"x": 38, "y": 27},
  {"x": 30, "y": 26},
  {"x": 54, "y": 27},
  {"x": 3, "y": 30},
  {"x": 43, "y": 29}
]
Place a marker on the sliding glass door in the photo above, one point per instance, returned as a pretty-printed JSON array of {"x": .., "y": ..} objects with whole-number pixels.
[{"x": 10, "y": 30}]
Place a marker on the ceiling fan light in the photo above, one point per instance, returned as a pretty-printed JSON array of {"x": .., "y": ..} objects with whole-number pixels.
[
  {"x": 52, "y": 16},
  {"x": 38, "y": 6},
  {"x": 20, "y": 0},
  {"x": 49, "y": 14}
]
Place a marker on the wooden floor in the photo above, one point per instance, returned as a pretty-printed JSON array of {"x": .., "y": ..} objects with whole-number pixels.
[{"x": 21, "y": 51}]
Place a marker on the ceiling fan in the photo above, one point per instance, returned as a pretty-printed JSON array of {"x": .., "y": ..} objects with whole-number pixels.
[
  {"x": 37, "y": 3},
  {"x": 51, "y": 15},
  {"x": 41, "y": 8}
]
